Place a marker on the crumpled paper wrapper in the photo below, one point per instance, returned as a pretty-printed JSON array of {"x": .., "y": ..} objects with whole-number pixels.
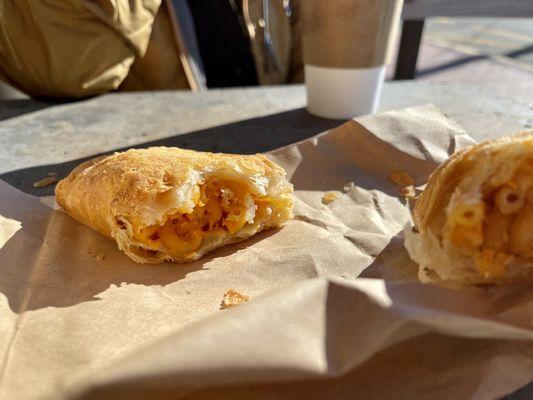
[{"x": 335, "y": 309}]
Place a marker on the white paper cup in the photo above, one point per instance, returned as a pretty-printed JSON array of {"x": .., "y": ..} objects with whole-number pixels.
[
  {"x": 343, "y": 93},
  {"x": 345, "y": 47}
]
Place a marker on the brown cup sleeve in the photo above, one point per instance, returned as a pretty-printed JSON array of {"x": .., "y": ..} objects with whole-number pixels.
[{"x": 349, "y": 33}]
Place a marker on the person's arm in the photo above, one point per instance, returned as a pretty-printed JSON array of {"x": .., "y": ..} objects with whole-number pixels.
[{"x": 72, "y": 48}]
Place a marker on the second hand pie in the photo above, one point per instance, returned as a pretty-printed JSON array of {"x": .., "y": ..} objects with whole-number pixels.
[
  {"x": 170, "y": 204},
  {"x": 474, "y": 220}
]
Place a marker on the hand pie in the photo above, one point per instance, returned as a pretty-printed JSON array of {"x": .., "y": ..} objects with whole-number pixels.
[
  {"x": 474, "y": 220},
  {"x": 169, "y": 204}
]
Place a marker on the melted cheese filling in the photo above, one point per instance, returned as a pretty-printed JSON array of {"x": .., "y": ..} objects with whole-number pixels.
[
  {"x": 498, "y": 228},
  {"x": 222, "y": 208}
]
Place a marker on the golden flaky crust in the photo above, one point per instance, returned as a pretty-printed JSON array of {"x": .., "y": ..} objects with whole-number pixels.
[
  {"x": 130, "y": 187},
  {"x": 465, "y": 171},
  {"x": 445, "y": 178},
  {"x": 438, "y": 189}
]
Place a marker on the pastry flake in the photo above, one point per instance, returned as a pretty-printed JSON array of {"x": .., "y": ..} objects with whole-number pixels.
[
  {"x": 407, "y": 192},
  {"x": 329, "y": 197},
  {"x": 49, "y": 180},
  {"x": 401, "y": 178},
  {"x": 233, "y": 298}
]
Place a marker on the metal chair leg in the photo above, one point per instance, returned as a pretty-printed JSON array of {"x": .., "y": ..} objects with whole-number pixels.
[{"x": 408, "y": 52}]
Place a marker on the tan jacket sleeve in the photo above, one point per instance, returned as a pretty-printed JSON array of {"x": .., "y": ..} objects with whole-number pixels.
[
  {"x": 72, "y": 48},
  {"x": 160, "y": 67}
]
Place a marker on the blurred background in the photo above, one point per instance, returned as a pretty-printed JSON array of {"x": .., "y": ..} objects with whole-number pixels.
[
  {"x": 496, "y": 53},
  {"x": 491, "y": 52}
]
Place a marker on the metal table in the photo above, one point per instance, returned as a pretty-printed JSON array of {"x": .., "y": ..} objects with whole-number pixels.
[{"x": 40, "y": 137}]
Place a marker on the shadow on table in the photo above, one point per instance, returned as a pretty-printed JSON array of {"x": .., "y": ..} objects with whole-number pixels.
[
  {"x": 15, "y": 108},
  {"x": 250, "y": 136}
]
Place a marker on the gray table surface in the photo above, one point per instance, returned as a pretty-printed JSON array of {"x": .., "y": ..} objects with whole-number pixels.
[{"x": 38, "y": 137}]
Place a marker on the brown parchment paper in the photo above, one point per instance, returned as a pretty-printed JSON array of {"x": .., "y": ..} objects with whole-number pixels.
[{"x": 335, "y": 307}]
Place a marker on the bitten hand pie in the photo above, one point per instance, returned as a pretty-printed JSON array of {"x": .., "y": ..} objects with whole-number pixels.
[
  {"x": 474, "y": 220},
  {"x": 169, "y": 204}
]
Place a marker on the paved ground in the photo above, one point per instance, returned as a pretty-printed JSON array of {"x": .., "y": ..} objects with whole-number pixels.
[{"x": 496, "y": 54}]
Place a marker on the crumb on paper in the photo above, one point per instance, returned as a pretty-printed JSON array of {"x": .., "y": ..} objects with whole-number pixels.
[
  {"x": 407, "y": 192},
  {"x": 401, "y": 178},
  {"x": 232, "y": 298},
  {"x": 49, "y": 180},
  {"x": 329, "y": 197},
  {"x": 98, "y": 256},
  {"x": 348, "y": 186}
]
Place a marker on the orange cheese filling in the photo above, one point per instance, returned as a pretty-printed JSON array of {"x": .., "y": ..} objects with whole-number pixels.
[
  {"x": 498, "y": 228},
  {"x": 222, "y": 208}
]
